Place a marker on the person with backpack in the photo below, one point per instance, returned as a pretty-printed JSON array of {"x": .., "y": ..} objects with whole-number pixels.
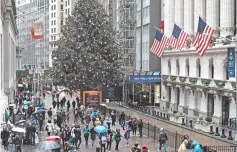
[
  {"x": 86, "y": 132},
  {"x": 117, "y": 138},
  {"x": 162, "y": 139},
  {"x": 73, "y": 104},
  {"x": 109, "y": 139},
  {"x": 50, "y": 113},
  {"x": 103, "y": 141}
]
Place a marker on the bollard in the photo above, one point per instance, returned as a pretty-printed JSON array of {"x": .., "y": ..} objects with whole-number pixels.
[
  {"x": 217, "y": 132},
  {"x": 97, "y": 149},
  {"x": 160, "y": 114},
  {"x": 164, "y": 115},
  {"x": 183, "y": 122},
  {"x": 223, "y": 133},
  {"x": 230, "y": 135},
  {"x": 211, "y": 130},
  {"x": 191, "y": 123}
]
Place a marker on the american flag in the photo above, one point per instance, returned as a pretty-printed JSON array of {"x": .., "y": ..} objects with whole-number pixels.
[
  {"x": 203, "y": 37},
  {"x": 178, "y": 38},
  {"x": 159, "y": 44}
]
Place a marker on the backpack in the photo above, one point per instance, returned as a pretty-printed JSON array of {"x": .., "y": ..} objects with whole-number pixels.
[
  {"x": 50, "y": 113},
  {"x": 103, "y": 140},
  {"x": 163, "y": 138},
  {"x": 108, "y": 138}
]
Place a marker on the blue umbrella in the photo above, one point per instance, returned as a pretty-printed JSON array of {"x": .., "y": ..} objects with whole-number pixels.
[
  {"x": 101, "y": 129},
  {"x": 93, "y": 115}
]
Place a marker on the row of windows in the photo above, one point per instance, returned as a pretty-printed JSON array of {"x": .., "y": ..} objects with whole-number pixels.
[
  {"x": 53, "y": 7},
  {"x": 53, "y": 15},
  {"x": 67, "y": 2},
  {"x": 53, "y": 38},
  {"x": 198, "y": 70},
  {"x": 67, "y": 11}
]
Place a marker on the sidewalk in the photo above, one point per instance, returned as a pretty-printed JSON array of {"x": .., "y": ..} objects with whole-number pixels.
[{"x": 202, "y": 138}]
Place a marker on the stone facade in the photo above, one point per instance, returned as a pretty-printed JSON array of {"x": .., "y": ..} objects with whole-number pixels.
[{"x": 8, "y": 33}]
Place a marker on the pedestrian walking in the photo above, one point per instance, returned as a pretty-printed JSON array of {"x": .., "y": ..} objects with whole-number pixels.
[
  {"x": 86, "y": 132},
  {"x": 5, "y": 138},
  {"x": 140, "y": 127},
  {"x": 102, "y": 141},
  {"x": 109, "y": 139},
  {"x": 117, "y": 138},
  {"x": 113, "y": 116},
  {"x": 68, "y": 105},
  {"x": 93, "y": 135},
  {"x": 77, "y": 132},
  {"x": 127, "y": 136},
  {"x": 54, "y": 104},
  {"x": 108, "y": 121},
  {"x": 162, "y": 139},
  {"x": 49, "y": 127},
  {"x": 134, "y": 127}
]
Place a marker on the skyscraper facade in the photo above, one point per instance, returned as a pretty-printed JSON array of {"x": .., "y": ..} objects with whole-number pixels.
[{"x": 35, "y": 52}]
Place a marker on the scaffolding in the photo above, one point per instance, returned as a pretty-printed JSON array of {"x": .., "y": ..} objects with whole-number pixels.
[{"x": 127, "y": 27}]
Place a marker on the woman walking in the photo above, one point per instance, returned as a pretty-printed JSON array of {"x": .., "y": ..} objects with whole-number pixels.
[
  {"x": 93, "y": 135},
  {"x": 49, "y": 127},
  {"x": 109, "y": 139}
]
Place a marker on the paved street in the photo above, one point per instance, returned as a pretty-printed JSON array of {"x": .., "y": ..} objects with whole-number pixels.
[
  {"x": 205, "y": 140},
  {"x": 151, "y": 144}
]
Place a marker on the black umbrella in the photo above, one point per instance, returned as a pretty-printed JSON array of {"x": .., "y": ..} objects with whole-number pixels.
[
  {"x": 48, "y": 145},
  {"x": 20, "y": 122}
]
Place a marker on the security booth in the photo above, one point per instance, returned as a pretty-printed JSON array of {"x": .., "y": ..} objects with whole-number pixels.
[{"x": 145, "y": 88}]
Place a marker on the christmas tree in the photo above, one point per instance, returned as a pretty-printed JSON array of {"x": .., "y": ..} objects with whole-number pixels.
[{"x": 87, "y": 55}]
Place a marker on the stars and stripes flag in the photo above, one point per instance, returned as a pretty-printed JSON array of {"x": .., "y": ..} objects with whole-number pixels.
[
  {"x": 203, "y": 37},
  {"x": 178, "y": 38},
  {"x": 159, "y": 44}
]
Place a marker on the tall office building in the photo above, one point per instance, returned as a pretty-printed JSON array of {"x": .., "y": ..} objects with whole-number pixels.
[{"x": 35, "y": 52}]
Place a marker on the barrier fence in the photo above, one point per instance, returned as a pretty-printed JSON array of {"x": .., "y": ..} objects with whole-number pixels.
[{"x": 175, "y": 139}]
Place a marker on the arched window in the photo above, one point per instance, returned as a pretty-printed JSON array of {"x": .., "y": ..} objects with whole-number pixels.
[
  {"x": 198, "y": 68},
  {"x": 169, "y": 67},
  {"x": 225, "y": 71},
  {"x": 187, "y": 67},
  {"x": 211, "y": 68},
  {"x": 177, "y": 67}
]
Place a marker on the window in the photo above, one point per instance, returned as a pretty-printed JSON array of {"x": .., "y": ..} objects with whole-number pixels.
[
  {"x": 61, "y": 7},
  {"x": 54, "y": 7},
  {"x": 66, "y": 11},
  {"x": 51, "y": 1},
  {"x": 19, "y": 2},
  {"x": 54, "y": 14},
  {"x": 54, "y": 22},
  {"x": 198, "y": 68},
  {"x": 51, "y": 7},
  {"x": 54, "y": 37},
  {"x": 177, "y": 67},
  {"x": 169, "y": 94},
  {"x": 66, "y": 3},
  {"x": 187, "y": 67},
  {"x": 54, "y": 30},
  {"x": 211, "y": 68},
  {"x": 51, "y": 30},
  {"x": 169, "y": 67},
  {"x": 51, "y": 37},
  {"x": 51, "y": 15},
  {"x": 51, "y": 22}
]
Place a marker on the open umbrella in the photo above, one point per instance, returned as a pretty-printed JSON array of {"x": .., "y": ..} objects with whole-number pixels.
[
  {"x": 20, "y": 122},
  {"x": 39, "y": 111},
  {"x": 53, "y": 138},
  {"x": 103, "y": 105},
  {"x": 11, "y": 105},
  {"x": 48, "y": 145},
  {"x": 101, "y": 129},
  {"x": 20, "y": 130}
]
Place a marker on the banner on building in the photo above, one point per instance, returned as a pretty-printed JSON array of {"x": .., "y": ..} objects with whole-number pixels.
[
  {"x": 37, "y": 30},
  {"x": 144, "y": 78},
  {"x": 231, "y": 62}
]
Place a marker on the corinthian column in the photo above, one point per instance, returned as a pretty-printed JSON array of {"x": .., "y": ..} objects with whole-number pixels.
[
  {"x": 189, "y": 16},
  {"x": 179, "y": 13},
  {"x": 213, "y": 14},
  {"x": 227, "y": 11},
  {"x": 200, "y": 9},
  {"x": 169, "y": 9}
]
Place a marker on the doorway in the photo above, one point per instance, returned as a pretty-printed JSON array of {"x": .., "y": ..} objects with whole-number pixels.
[
  {"x": 225, "y": 108},
  {"x": 177, "y": 98}
]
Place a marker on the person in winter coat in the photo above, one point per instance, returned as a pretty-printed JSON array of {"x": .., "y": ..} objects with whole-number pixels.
[
  {"x": 113, "y": 116},
  {"x": 97, "y": 122},
  {"x": 109, "y": 139},
  {"x": 50, "y": 113},
  {"x": 87, "y": 118},
  {"x": 140, "y": 127},
  {"x": 103, "y": 141},
  {"x": 117, "y": 138},
  {"x": 77, "y": 132},
  {"x": 134, "y": 127},
  {"x": 93, "y": 135},
  {"x": 196, "y": 146},
  {"x": 68, "y": 105},
  {"x": 127, "y": 136},
  {"x": 73, "y": 104},
  {"x": 86, "y": 132},
  {"x": 54, "y": 104},
  {"x": 162, "y": 139},
  {"x": 5, "y": 136},
  {"x": 182, "y": 147},
  {"x": 108, "y": 121},
  {"x": 49, "y": 127}
]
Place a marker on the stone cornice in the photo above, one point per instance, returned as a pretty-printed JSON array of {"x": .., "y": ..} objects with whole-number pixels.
[{"x": 192, "y": 51}]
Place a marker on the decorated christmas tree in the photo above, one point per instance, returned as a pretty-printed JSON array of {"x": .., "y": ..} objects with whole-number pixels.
[{"x": 87, "y": 55}]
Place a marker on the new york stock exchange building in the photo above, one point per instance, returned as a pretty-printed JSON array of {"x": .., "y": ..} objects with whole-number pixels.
[{"x": 201, "y": 88}]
